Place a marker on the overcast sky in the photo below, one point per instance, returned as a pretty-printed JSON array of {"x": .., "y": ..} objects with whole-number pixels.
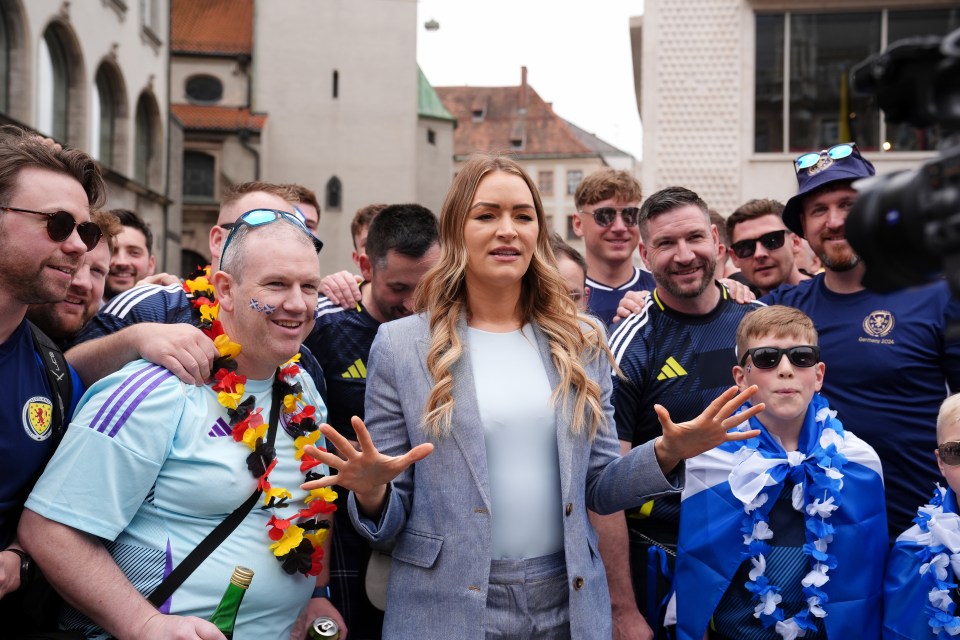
[{"x": 577, "y": 56}]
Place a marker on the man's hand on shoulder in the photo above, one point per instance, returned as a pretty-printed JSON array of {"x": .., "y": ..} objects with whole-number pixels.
[
  {"x": 164, "y": 627},
  {"x": 180, "y": 348},
  {"x": 632, "y": 302},
  {"x": 342, "y": 288},
  {"x": 162, "y": 279},
  {"x": 738, "y": 291}
]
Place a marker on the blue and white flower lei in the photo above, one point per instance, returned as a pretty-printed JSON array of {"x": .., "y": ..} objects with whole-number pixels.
[
  {"x": 818, "y": 481},
  {"x": 939, "y": 534}
]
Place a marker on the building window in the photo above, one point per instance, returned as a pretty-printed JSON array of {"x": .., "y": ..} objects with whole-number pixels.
[
  {"x": 573, "y": 181},
  {"x": 571, "y": 235},
  {"x": 334, "y": 193},
  {"x": 431, "y": 136},
  {"x": 199, "y": 175},
  {"x": 549, "y": 223},
  {"x": 54, "y": 86},
  {"x": 204, "y": 89},
  {"x": 150, "y": 20},
  {"x": 145, "y": 158},
  {"x": 336, "y": 84},
  {"x": 104, "y": 116},
  {"x": 803, "y": 99},
  {"x": 545, "y": 182}
]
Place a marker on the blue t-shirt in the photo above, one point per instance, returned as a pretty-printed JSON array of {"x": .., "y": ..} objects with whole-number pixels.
[
  {"x": 888, "y": 365},
  {"x": 167, "y": 305},
  {"x": 341, "y": 341},
  {"x": 680, "y": 361},
  {"x": 150, "y": 467},
  {"x": 604, "y": 298},
  {"x": 26, "y": 423}
]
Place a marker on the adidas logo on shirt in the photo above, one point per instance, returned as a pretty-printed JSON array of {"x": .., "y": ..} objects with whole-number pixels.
[
  {"x": 356, "y": 370},
  {"x": 671, "y": 369}
]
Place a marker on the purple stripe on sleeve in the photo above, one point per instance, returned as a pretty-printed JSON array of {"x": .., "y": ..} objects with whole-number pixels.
[
  {"x": 167, "y": 570},
  {"x": 164, "y": 374},
  {"x": 132, "y": 380}
]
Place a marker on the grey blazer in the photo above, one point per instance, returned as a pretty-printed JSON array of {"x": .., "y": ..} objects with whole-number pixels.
[{"x": 437, "y": 514}]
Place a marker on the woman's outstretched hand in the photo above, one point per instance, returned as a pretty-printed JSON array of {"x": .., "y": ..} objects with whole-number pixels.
[
  {"x": 363, "y": 470},
  {"x": 706, "y": 431}
]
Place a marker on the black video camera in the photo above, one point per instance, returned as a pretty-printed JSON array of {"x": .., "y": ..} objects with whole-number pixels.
[{"x": 906, "y": 225}]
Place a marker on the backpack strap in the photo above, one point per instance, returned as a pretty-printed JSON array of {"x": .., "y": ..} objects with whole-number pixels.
[{"x": 58, "y": 374}]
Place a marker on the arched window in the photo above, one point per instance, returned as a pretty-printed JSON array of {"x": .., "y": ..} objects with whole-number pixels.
[
  {"x": 107, "y": 105},
  {"x": 334, "y": 194},
  {"x": 147, "y": 152},
  {"x": 198, "y": 174},
  {"x": 54, "y": 86},
  {"x": 204, "y": 89},
  {"x": 336, "y": 84}
]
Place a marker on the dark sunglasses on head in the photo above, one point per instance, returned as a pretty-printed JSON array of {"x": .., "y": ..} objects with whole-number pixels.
[
  {"x": 60, "y": 224},
  {"x": 604, "y": 216},
  {"x": 770, "y": 241},
  {"x": 836, "y": 152},
  {"x": 949, "y": 453},
  {"x": 261, "y": 217},
  {"x": 769, "y": 357}
]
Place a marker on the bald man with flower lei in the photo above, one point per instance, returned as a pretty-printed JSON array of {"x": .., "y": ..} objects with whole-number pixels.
[{"x": 152, "y": 464}]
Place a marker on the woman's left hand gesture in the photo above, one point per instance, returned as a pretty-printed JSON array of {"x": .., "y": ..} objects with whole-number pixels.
[
  {"x": 365, "y": 471},
  {"x": 706, "y": 431}
]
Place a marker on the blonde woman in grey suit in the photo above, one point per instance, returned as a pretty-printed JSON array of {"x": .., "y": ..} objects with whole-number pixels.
[{"x": 500, "y": 393}]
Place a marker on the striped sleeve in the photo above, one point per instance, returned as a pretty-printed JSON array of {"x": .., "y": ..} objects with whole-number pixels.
[{"x": 121, "y": 434}]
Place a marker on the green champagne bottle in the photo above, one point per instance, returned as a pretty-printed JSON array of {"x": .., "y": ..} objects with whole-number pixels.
[{"x": 225, "y": 617}]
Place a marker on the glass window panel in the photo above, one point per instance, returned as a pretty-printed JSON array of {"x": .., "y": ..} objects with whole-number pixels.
[
  {"x": 768, "y": 98},
  {"x": 54, "y": 86},
  {"x": 823, "y": 110},
  {"x": 545, "y": 182},
  {"x": 144, "y": 141},
  {"x": 198, "y": 174},
  {"x": 573, "y": 181},
  {"x": 105, "y": 117},
  {"x": 909, "y": 24}
]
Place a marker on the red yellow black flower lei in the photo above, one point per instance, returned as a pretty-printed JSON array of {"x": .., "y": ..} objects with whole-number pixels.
[{"x": 297, "y": 540}]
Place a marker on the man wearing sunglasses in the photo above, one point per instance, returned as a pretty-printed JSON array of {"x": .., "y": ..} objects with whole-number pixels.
[
  {"x": 608, "y": 207},
  {"x": 63, "y": 320},
  {"x": 157, "y": 322},
  {"x": 46, "y": 193},
  {"x": 762, "y": 247},
  {"x": 891, "y": 361}
]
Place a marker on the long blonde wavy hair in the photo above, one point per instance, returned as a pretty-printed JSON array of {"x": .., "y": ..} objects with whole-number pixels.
[{"x": 543, "y": 300}]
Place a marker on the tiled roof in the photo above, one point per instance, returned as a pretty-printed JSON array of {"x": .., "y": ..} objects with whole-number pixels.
[
  {"x": 212, "y": 118},
  {"x": 600, "y": 146},
  {"x": 211, "y": 26},
  {"x": 541, "y": 130}
]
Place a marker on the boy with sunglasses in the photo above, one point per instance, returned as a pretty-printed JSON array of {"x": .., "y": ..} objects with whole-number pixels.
[
  {"x": 608, "y": 209},
  {"x": 762, "y": 247},
  {"x": 785, "y": 532},
  {"x": 922, "y": 573},
  {"x": 891, "y": 359}
]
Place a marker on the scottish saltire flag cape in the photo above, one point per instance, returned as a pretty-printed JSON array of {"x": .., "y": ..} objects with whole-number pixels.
[
  {"x": 922, "y": 573},
  {"x": 839, "y": 490}
]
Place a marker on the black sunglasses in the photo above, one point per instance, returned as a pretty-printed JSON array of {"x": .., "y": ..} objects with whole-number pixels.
[
  {"x": 604, "y": 216},
  {"x": 949, "y": 453},
  {"x": 770, "y": 241},
  {"x": 769, "y": 357},
  {"x": 60, "y": 224}
]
